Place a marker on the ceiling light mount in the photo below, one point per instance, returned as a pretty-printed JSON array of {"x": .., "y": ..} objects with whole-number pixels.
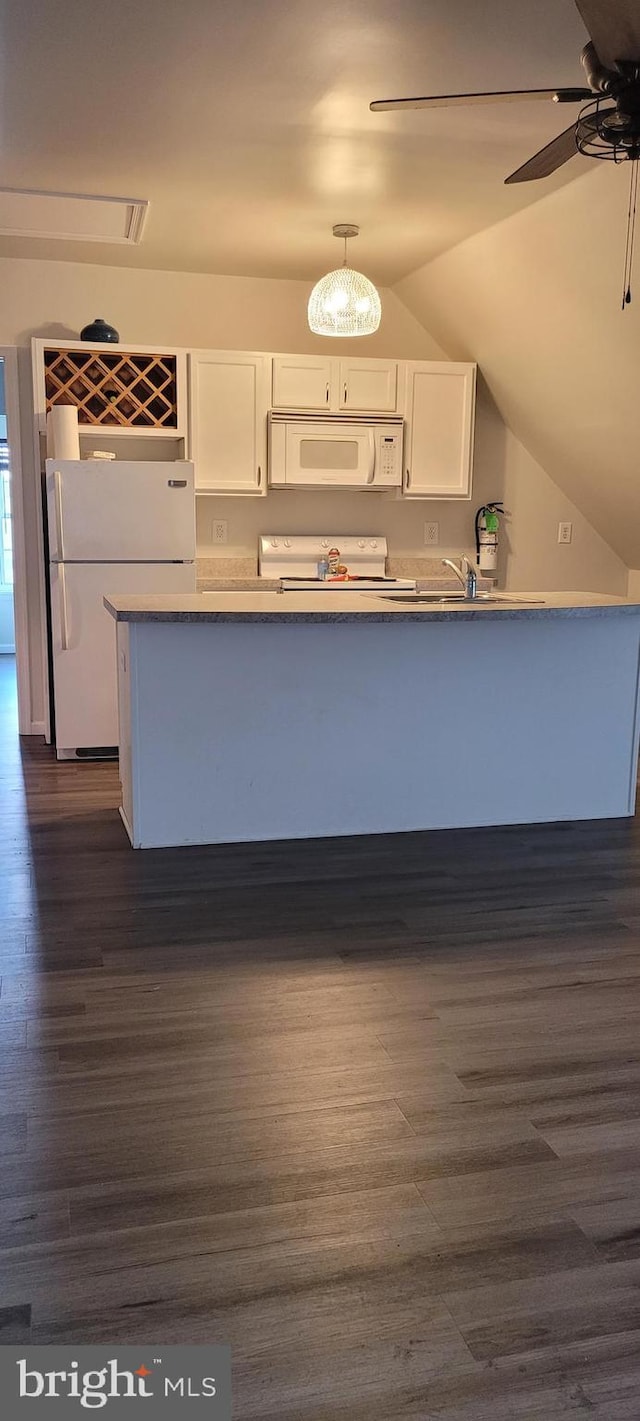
[{"x": 344, "y": 302}]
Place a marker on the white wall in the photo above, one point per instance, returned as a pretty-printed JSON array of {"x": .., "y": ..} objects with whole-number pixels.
[
  {"x": 536, "y": 300},
  {"x": 54, "y": 299}
]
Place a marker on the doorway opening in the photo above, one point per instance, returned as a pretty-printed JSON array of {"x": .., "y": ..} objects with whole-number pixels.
[
  {"x": 8, "y": 701},
  {"x": 14, "y": 647},
  {"x": 7, "y": 624}
]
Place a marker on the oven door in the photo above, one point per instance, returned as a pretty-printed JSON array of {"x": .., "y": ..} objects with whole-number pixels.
[{"x": 322, "y": 455}]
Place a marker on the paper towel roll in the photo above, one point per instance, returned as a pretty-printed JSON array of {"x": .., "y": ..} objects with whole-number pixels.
[{"x": 63, "y": 438}]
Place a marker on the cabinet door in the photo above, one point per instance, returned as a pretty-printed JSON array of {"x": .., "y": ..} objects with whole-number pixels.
[
  {"x": 229, "y": 403},
  {"x": 302, "y": 382},
  {"x": 440, "y": 406},
  {"x": 368, "y": 385}
]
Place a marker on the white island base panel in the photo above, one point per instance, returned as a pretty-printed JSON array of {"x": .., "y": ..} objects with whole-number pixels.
[{"x": 288, "y": 730}]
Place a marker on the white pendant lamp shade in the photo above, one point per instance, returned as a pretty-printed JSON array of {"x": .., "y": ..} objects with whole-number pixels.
[{"x": 344, "y": 302}]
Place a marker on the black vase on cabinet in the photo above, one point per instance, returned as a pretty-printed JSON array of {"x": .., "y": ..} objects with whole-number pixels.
[{"x": 101, "y": 332}]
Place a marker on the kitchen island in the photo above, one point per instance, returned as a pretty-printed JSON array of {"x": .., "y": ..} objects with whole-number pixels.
[{"x": 259, "y": 715}]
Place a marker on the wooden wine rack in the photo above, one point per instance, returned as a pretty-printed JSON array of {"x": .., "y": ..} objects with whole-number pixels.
[{"x": 117, "y": 389}]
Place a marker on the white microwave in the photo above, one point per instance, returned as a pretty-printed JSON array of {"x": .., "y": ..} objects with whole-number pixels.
[{"x": 335, "y": 451}]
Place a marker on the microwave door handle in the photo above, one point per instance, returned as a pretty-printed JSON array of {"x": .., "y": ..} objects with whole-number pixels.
[{"x": 372, "y": 456}]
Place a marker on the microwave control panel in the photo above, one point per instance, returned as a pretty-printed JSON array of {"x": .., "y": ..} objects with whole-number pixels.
[{"x": 389, "y": 462}]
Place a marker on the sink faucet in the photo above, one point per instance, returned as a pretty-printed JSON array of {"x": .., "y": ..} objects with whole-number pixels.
[{"x": 466, "y": 575}]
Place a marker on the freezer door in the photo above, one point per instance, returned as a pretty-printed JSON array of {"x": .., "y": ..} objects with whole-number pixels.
[
  {"x": 84, "y": 644},
  {"x": 130, "y": 512}
]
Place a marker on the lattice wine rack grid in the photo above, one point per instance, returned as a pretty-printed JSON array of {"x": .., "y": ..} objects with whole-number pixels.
[{"x": 114, "y": 388}]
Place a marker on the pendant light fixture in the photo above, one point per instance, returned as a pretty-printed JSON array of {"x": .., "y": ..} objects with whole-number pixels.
[{"x": 344, "y": 302}]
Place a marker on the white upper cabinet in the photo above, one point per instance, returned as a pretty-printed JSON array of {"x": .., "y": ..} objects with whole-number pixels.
[
  {"x": 310, "y": 382},
  {"x": 228, "y": 426},
  {"x": 303, "y": 382},
  {"x": 439, "y": 413},
  {"x": 368, "y": 385}
]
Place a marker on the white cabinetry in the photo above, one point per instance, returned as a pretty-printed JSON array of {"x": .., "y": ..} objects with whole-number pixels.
[
  {"x": 231, "y": 393},
  {"x": 308, "y": 382},
  {"x": 228, "y": 421},
  {"x": 439, "y": 413},
  {"x": 302, "y": 382},
  {"x": 368, "y": 385}
]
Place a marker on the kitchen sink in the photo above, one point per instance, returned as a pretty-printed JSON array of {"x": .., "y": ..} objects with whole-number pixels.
[{"x": 438, "y": 599}]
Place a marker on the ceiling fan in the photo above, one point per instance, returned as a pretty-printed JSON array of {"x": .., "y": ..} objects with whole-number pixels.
[{"x": 608, "y": 124}]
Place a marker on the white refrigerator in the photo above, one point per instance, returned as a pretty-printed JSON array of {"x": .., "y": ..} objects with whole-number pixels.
[{"x": 113, "y": 528}]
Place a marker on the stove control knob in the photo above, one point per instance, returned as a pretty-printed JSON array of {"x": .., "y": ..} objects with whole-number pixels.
[
  {"x": 361, "y": 543},
  {"x": 274, "y": 542},
  {"x": 373, "y": 543},
  {"x": 287, "y": 542},
  {"x": 324, "y": 543}
]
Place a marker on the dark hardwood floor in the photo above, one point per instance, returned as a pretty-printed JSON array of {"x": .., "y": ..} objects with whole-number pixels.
[{"x": 369, "y": 1110}]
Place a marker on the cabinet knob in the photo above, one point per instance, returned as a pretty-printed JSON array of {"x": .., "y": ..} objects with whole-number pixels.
[
  {"x": 344, "y": 394},
  {"x": 327, "y": 394},
  {"x": 259, "y": 473},
  {"x": 408, "y": 477}
]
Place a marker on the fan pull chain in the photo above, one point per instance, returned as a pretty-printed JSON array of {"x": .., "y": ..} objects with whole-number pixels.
[{"x": 631, "y": 232}]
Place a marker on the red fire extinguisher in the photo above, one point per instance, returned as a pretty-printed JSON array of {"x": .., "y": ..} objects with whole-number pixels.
[{"x": 487, "y": 529}]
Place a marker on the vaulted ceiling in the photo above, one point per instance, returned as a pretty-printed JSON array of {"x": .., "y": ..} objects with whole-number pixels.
[{"x": 246, "y": 123}]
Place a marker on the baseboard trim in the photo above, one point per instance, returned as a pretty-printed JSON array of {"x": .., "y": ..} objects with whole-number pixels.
[{"x": 37, "y": 727}]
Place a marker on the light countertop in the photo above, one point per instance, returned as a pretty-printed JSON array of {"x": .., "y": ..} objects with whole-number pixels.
[{"x": 332, "y": 606}]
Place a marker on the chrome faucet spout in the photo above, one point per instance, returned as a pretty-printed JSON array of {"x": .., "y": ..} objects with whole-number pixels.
[
  {"x": 466, "y": 575},
  {"x": 448, "y": 562}
]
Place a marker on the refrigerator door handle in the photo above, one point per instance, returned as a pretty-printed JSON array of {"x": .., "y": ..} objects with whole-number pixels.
[
  {"x": 177, "y": 483},
  {"x": 64, "y": 627},
  {"x": 58, "y": 503}
]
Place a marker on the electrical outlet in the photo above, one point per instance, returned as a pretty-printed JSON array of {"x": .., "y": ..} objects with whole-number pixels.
[
  {"x": 565, "y": 532},
  {"x": 219, "y": 530},
  {"x": 432, "y": 534}
]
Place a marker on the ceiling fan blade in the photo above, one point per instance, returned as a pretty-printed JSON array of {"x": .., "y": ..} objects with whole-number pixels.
[
  {"x": 614, "y": 26},
  {"x": 557, "y": 152},
  {"x": 502, "y": 96}
]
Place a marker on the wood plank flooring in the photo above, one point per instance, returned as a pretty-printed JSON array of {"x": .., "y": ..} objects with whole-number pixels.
[{"x": 369, "y": 1110}]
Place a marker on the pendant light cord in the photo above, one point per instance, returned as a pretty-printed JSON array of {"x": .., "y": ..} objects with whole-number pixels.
[
  {"x": 631, "y": 232},
  {"x": 345, "y": 251}
]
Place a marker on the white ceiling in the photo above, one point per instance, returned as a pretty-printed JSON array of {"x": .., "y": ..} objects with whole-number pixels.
[{"x": 246, "y": 123}]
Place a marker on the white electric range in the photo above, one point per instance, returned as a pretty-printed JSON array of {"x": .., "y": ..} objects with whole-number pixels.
[{"x": 294, "y": 559}]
